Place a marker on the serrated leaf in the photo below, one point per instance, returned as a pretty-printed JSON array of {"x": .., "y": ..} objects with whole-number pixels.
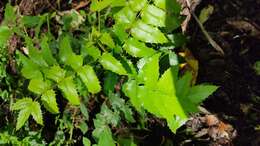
[
  {"x": 199, "y": 92},
  {"x": 55, "y": 73},
  {"x": 5, "y": 34},
  {"x": 91, "y": 50},
  {"x": 137, "y": 5},
  {"x": 75, "y": 61},
  {"x": 125, "y": 16},
  {"x": 23, "y": 116},
  {"x": 147, "y": 33},
  {"x": 27, "y": 107},
  {"x": 86, "y": 142},
  {"x": 137, "y": 49},
  {"x": 68, "y": 88},
  {"x": 46, "y": 52},
  {"x": 36, "y": 112},
  {"x": 100, "y": 5},
  {"x": 107, "y": 40},
  {"x": 149, "y": 73},
  {"x": 38, "y": 86},
  {"x": 132, "y": 90},
  {"x": 111, "y": 63},
  {"x": 154, "y": 16},
  {"x": 120, "y": 31},
  {"x": 21, "y": 104},
  {"x": 65, "y": 49},
  {"x": 89, "y": 78},
  {"x": 49, "y": 101}
]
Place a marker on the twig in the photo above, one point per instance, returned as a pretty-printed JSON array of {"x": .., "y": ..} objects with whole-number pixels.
[{"x": 209, "y": 38}]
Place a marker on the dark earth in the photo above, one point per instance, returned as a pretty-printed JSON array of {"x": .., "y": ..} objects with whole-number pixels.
[{"x": 235, "y": 106}]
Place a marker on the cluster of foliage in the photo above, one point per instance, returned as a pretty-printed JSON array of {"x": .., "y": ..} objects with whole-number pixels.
[{"x": 117, "y": 53}]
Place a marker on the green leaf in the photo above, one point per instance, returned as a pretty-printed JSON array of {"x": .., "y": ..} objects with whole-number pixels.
[
  {"x": 30, "y": 21},
  {"x": 198, "y": 93},
  {"x": 137, "y": 49},
  {"x": 38, "y": 86},
  {"x": 183, "y": 85},
  {"x": 171, "y": 6},
  {"x": 133, "y": 91},
  {"x": 36, "y": 112},
  {"x": 49, "y": 101},
  {"x": 9, "y": 15},
  {"x": 125, "y": 16},
  {"x": 46, "y": 52},
  {"x": 75, "y": 61},
  {"x": 112, "y": 64},
  {"x": 110, "y": 82},
  {"x": 83, "y": 127},
  {"x": 89, "y": 78},
  {"x": 21, "y": 104},
  {"x": 91, "y": 50},
  {"x": 55, "y": 73},
  {"x": 154, "y": 16},
  {"x": 5, "y": 34},
  {"x": 23, "y": 116},
  {"x": 100, "y": 5},
  {"x": 137, "y": 5},
  {"x": 84, "y": 111},
  {"x": 27, "y": 107},
  {"x": 149, "y": 72},
  {"x": 68, "y": 88},
  {"x": 107, "y": 40},
  {"x": 148, "y": 33},
  {"x": 86, "y": 142},
  {"x": 120, "y": 31},
  {"x": 106, "y": 138},
  {"x": 65, "y": 49},
  {"x": 205, "y": 13}
]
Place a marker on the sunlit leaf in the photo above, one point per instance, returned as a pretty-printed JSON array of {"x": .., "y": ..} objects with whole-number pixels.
[
  {"x": 49, "y": 101},
  {"x": 111, "y": 63},
  {"x": 100, "y": 5},
  {"x": 107, "y": 40},
  {"x": 148, "y": 33},
  {"x": 137, "y": 49},
  {"x": 154, "y": 16},
  {"x": 89, "y": 78},
  {"x": 38, "y": 86},
  {"x": 55, "y": 73},
  {"x": 68, "y": 88}
]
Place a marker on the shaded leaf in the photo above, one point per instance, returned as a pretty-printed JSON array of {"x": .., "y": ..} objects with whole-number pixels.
[
  {"x": 91, "y": 50},
  {"x": 86, "y": 142},
  {"x": 199, "y": 92},
  {"x": 46, "y": 51},
  {"x": 5, "y": 34}
]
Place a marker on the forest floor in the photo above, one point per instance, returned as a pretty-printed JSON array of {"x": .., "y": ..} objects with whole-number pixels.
[{"x": 234, "y": 108}]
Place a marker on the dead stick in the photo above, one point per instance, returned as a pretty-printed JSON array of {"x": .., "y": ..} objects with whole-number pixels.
[{"x": 209, "y": 38}]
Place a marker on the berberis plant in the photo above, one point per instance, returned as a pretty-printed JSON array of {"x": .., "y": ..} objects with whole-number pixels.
[{"x": 115, "y": 43}]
